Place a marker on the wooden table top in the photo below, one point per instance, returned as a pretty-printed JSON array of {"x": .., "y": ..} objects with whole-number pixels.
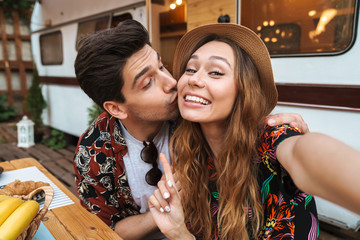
[{"x": 68, "y": 222}]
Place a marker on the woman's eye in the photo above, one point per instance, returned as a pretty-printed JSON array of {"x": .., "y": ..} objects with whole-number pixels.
[
  {"x": 190, "y": 70},
  {"x": 216, "y": 73}
]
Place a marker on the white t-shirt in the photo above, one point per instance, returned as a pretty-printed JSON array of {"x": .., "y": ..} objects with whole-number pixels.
[{"x": 136, "y": 169}]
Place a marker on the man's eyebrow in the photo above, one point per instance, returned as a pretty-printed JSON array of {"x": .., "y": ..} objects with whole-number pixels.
[
  {"x": 139, "y": 75},
  {"x": 221, "y": 59}
]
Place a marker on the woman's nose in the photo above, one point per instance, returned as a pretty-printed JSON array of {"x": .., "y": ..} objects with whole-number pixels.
[{"x": 196, "y": 80}]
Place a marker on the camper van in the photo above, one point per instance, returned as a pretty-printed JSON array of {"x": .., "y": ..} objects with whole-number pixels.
[{"x": 314, "y": 47}]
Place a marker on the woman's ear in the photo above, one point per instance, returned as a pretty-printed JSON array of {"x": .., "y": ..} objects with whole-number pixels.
[{"x": 116, "y": 109}]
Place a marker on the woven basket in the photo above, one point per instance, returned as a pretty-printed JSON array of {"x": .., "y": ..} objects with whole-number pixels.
[{"x": 31, "y": 229}]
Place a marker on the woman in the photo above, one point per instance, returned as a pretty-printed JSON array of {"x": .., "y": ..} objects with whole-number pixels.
[{"x": 236, "y": 175}]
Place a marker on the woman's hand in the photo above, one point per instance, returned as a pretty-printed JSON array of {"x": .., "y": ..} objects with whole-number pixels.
[{"x": 165, "y": 206}]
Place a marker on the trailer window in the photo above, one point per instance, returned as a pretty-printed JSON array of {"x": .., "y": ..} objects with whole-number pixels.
[
  {"x": 51, "y": 48},
  {"x": 301, "y": 27},
  {"x": 91, "y": 26}
]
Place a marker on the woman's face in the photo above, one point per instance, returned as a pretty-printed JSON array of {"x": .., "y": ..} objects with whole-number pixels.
[{"x": 207, "y": 89}]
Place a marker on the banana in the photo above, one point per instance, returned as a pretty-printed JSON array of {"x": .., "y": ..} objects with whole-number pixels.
[
  {"x": 3, "y": 197},
  {"x": 18, "y": 220},
  {"x": 7, "y": 207}
]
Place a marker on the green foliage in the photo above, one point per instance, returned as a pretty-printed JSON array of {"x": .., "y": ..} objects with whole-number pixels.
[
  {"x": 3, "y": 140},
  {"x": 5, "y": 111},
  {"x": 94, "y": 111},
  {"x": 35, "y": 102},
  {"x": 56, "y": 141},
  {"x": 17, "y": 4}
]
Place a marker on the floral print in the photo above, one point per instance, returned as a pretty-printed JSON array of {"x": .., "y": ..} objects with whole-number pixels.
[
  {"x": 279, "y": 218},
  {"x": 289, "y": 213}
]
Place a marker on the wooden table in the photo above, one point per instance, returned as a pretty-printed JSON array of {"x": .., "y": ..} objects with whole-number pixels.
[{"x": 71, "y": 221}]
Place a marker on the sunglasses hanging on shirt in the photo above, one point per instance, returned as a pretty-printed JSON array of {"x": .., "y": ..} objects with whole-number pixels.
[{"x": 149, "y": 154}]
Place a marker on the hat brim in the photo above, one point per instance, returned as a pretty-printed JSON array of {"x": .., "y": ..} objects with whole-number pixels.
[{"x": 246, "y": 39}]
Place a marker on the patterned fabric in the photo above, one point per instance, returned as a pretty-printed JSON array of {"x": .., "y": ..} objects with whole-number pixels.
[
  {"x": 288, "y": 212},
  {"x": 101, "y": 179},
  {"x": 100, "y": 174}
]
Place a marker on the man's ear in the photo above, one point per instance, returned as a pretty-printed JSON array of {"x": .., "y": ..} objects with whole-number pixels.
[{"x": 116, "y": 109}]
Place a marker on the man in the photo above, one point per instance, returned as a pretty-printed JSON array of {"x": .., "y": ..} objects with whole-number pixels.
[{"x": 115, "y": 162}]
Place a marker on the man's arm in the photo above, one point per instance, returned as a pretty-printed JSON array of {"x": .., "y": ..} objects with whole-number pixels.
[
  {"x": 136, "y": 227},
  {"x": 323, "y": 166},
  {"x": 130, "y": 227}
]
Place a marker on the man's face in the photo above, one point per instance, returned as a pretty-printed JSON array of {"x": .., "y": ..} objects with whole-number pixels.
[{"x": 149, "y": 89}]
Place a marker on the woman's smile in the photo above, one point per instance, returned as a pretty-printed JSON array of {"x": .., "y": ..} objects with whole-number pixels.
[
  {"x": 207, "y": 90},
  {"x": 195, "y": 99}
]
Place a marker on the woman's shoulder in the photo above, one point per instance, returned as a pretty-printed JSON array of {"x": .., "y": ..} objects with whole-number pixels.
[
  {"x": 276, "y": 134},
  {"x": 268, "y": 140}
]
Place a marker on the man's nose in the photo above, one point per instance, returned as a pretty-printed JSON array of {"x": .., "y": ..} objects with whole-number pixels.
[{"x": 169, "y": 83}]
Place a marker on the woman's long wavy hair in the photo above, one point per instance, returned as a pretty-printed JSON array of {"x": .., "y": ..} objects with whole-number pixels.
[{"x": 237, "y": 174}]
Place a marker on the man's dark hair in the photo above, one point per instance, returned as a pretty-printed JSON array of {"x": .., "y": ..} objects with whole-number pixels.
[{"x": 101, "y": 59}]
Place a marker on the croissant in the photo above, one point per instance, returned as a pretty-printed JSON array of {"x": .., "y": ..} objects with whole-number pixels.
[{"x": 21, "y": 188}]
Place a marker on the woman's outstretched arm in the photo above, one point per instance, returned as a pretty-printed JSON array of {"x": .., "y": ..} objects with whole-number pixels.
[{"x": 323, "y": 166}]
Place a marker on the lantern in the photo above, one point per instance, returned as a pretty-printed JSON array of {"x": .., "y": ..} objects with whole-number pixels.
[{"x": 25, "y": 129}]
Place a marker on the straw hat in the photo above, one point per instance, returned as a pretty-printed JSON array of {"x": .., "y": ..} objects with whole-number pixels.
[{"x": 245, "y": 38}]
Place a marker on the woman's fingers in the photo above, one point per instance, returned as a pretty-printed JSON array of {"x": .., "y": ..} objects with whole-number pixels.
[
  {"x": 154, "y": 203},
  {"x": 167, "y": 170},
  {"x": 162, "y": 197},
  {"x": 163, "y": 189},
  {"x": 163, "y": 205},
  {"x": 159, "y": 202}
]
